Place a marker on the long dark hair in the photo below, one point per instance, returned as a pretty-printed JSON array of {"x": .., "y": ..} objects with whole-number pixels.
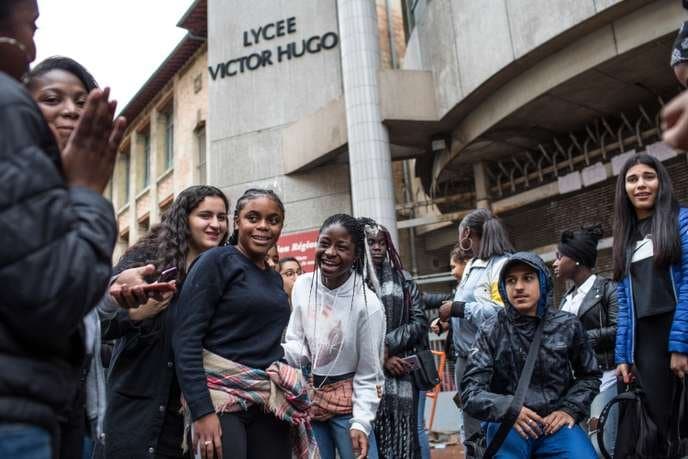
[
  {"x": 175, "y": 234},
  {"x": 494, "y": 239},
  {"x": 250, "y": 195},
  {"x": 665, "y": 235},
  {"x": 62, "y": 63},
  {"x": 355, "y": 230}
]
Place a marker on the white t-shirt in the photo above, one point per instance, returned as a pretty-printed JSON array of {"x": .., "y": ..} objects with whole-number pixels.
[
  {"x": 572, "y": 304},
  {"x": 574, "y": 299}
]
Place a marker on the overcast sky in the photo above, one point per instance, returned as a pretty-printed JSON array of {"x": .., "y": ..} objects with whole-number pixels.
[{"x": 120, "y": 42}]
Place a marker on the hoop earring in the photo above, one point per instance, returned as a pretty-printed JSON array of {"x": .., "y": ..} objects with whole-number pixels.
[
  {"x": 13, "y": 42},
  {"x": 465, "y": 249}
]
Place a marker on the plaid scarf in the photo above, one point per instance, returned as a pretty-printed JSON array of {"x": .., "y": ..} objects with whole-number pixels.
[
  {"x": 396, "y": 425},
  {"x": 235, "y": 387}
]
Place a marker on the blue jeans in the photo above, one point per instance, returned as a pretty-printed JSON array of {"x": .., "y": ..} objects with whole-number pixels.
[
  {"x": 564, "y": 444},
  {"x": 612, "y": 423},
  {"x": 24, "y": 441},
  {"x": 422, "y": 434},
  {"x": 333, "y": 435}
]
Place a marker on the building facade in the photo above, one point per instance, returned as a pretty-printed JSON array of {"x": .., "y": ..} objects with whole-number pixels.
[
  {"x": 525, "y": 106},
  {"x": 413, "y": 112},
  {"x": 164, "y": 148}
]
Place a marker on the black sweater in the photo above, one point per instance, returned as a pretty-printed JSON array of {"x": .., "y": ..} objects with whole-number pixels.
[{"x": 232, "y": 308}]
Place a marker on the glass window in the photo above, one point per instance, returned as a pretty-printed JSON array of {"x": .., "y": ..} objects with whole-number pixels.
[
  {"x": 169, "y": 140},
  {"x": 123, "y": 177},
  {"x": 146, "y": 161},
  {"x": 201, "y": 171}
]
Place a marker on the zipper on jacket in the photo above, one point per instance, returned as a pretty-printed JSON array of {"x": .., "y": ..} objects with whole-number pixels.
[{"x": 629, "y": 294}]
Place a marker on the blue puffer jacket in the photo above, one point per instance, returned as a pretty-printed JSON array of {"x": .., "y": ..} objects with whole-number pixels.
[{"x": 625, "y": 327}]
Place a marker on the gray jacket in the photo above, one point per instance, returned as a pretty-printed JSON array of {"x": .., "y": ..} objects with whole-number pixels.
[{"x": 479, "y": 293}]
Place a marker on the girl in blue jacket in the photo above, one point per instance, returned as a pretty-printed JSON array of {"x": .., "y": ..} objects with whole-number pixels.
[{"x": 651, "y": 265}]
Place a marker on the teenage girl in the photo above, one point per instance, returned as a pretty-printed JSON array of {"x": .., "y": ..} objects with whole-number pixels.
[{"x": 338, "y": 329}]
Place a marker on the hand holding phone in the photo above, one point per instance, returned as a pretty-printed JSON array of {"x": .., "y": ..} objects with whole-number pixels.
[
  {"x": 412, "y": 362},
  {"x": 168, "y": 274}
]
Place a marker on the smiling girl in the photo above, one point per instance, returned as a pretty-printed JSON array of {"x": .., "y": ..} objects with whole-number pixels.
[
  {"x": 60, "y": 86},
  {"x": 228, "y": 344},
  {"x": 651, "y": 264},
  {"x": 338, "y": 328},
  {"x": 142, "y": 390}
]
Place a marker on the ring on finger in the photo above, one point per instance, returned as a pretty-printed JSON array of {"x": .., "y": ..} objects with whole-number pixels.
[{"x": 208, "y": 442}]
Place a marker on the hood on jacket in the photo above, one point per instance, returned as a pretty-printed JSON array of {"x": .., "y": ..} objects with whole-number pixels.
[{"x": 544, "y": 277}]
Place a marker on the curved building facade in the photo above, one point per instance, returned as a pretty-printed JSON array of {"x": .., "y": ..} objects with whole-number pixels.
[{"x": 524, "y": 106}]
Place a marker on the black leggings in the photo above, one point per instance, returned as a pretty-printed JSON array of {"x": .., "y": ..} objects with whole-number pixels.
[{"x": 254, "y": 434}]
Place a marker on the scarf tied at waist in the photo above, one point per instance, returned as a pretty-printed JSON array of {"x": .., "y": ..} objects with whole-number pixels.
[
  {"x": 279, "y": 389},
  {"x": 331, "y": 396}
]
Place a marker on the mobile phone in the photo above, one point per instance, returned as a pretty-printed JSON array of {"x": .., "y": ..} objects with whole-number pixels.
[
  {"x": 412, "y": 362},
  {"x": 168, "y": 275}
]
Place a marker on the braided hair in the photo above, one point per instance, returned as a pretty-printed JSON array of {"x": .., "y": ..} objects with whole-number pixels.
[
  {"x": 355, "y": 230},
  {"x": 250, "y": 195},
  {"x": 175, "y": 233},
  {"x": 369, "y": 226}
]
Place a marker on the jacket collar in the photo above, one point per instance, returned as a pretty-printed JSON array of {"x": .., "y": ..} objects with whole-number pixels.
[{"x": 593, "y": 297}]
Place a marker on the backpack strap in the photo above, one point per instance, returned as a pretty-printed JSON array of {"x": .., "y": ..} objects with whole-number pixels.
[{"x": 520, "y": 395}]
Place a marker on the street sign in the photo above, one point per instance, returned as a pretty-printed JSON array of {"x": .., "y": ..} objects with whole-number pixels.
[{"x": 300, "y": 245}]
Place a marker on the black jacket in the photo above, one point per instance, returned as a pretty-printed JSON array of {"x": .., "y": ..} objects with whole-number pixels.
[
  {"x": 414, "y": 333},
  {"x": 598, "y": 313},
  {"x": 434, "y": 301},
  {"x": 56, "y": 244},
  {"x": 142, "y": 389},
  {"x": 565, "y": 377}
]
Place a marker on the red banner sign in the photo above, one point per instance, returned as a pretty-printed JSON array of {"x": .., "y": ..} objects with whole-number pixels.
[{"x": 300, "y": 245}]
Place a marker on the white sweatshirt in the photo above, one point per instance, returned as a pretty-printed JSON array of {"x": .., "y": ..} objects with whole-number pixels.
[{"x": 338, "y": 332}]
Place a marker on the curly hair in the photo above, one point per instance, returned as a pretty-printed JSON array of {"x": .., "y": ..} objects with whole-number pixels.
[
  {"x": 141, "y": 252},
  {"x": 175, "y": 233},
  {"x": 250, "y": 195},
  {"x": 66, "y": 64}
]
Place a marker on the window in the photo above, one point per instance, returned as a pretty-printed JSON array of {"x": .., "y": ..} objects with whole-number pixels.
[
  {"x": 123, "y": 179},
  {"x": 169, "y": 140},
  {"x": 146, "y": 160},
  {"x": 201, "y": 171},
  {"x": 144, "y": 226}
]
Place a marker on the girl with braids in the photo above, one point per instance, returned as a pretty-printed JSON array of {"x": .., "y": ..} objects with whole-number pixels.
[
  {"x": 651, "y": 265},
  {"x": 143, "y": 419},
  {"x": 239, "y": 395},
  {"x": 396, "y": 426},
  {"x": 476, "y": 300},
  {"x": 337, "y": 328}
]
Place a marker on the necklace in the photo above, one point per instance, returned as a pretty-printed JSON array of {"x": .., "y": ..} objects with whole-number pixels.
[{"x": 318, "y": 312}]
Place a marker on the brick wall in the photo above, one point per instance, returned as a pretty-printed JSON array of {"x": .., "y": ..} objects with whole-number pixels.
[{"x": 541, "y": 223}]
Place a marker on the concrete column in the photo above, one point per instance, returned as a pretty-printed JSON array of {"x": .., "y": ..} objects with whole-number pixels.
[
  {"x": 372, "y": 183},
  {"x": 482, "y": 185}
]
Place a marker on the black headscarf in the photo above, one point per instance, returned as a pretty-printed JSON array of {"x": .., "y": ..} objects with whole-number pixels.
[{"x": 581, "y": 245}]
